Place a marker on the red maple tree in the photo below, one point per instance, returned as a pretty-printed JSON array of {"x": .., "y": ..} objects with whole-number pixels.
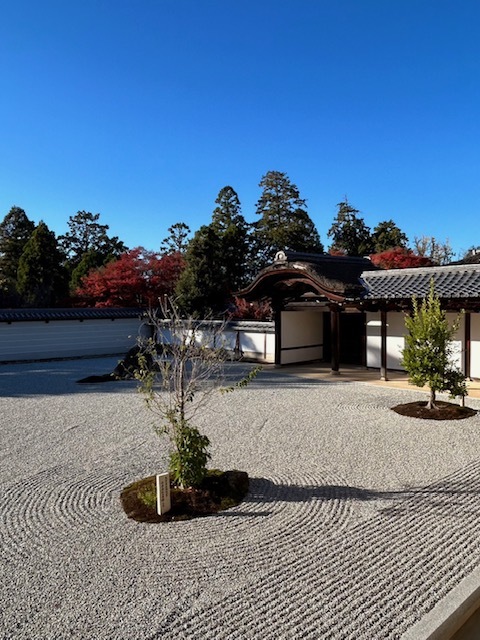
[
  {"x": 138, "y": 278},
  {"x": 399, "y": 258}
]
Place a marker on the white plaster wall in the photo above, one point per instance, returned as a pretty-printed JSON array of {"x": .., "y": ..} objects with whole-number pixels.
[
  {"x": 300, "y": 330},
  {"x": 458, "y": 342},
  {"x": 396, "y": 331},
  {"x": 373, "y": 339},
  {"x": 37, "y": 340},
  {"x": 67, "y": 338},
  {"x": 475, "y": 345},
  {"x": 395, "y": 339},
  {"x": 257, "y": 346}
]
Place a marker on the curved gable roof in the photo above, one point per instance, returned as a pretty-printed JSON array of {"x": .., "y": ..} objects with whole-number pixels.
[{"x": 336, "y": 278}]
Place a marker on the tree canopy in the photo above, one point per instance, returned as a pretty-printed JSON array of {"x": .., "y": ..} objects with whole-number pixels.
[
  {"x": 439, "y": 252},
  {"x": 216, "y": 259},
  {"x": 177, "y": 239},
  {"x": 42, "y": 280},
  {"x": 350, "y": 235},
  {"x": 399, "y": 258},
  {"x": 138, "y": 278},
  {"x": 15, "y": 231},
  {"x": 427, "y": 355},
  {"x": 284, "y": 222},
  {"x": 87, "y": 234},
  {"x": 387, "y": 235}
]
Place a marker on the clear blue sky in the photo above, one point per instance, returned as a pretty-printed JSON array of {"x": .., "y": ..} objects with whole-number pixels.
[{"x": 142, "y": 110}]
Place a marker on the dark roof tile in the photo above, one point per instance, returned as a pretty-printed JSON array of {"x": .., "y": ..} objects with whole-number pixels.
[{"x": 451, "y": 281}]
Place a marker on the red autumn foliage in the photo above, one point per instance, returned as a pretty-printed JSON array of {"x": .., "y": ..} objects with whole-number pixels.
[
  {"x": 251, "y": 310},
  {"x": 137, "y": 279},
  {"x": 399, "y": 258},
  {"x": 333, "y": 251}
]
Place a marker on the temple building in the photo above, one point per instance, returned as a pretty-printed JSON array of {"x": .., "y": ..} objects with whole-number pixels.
[{"x": 344, "y": 310}]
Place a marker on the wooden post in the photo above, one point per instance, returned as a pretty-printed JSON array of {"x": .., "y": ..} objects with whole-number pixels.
[
  {"x": 383, "y": 345},
  {"x": 335, "y": 338},
  {"x": 468, "y": 346}
]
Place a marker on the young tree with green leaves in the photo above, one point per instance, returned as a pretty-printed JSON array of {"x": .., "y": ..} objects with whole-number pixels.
[
  {"x": 42, "y": 280},
  {"x": 350, "y": 235},
  {"x": 427, "y": 356},
  {"x": 283, "y": 221},
  {"x": 182, "y": 383}
]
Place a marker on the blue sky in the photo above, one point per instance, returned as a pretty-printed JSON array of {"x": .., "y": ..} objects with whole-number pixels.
[{"x": 142, "y": 110}]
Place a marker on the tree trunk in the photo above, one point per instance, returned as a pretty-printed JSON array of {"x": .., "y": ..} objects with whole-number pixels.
[{"x": 431, "y": 401}]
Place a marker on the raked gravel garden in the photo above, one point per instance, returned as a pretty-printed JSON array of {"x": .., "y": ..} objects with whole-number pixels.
[{"x": 358, "y": 522}]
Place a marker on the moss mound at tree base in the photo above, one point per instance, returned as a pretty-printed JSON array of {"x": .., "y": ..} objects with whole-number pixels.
[
  {"x": 218, "y": 491},
  {"x": 445, "y": 411}
]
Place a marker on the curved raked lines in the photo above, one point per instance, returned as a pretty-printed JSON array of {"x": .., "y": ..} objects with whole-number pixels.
[
  {"x": 371, "y": 581},
  {"x": 362, "y": 406},
  {"x": 271, "y": 518},
  {"x": 43, "y": 507}
]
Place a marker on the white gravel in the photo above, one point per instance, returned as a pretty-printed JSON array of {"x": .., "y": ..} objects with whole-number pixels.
[{"x": 358, "y": 522}]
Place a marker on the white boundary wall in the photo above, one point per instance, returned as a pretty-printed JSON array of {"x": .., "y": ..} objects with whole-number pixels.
[
  {"x": 41, "y": 340},
  {"x": 45, "y": 340},
  {"x": 301, "y": 336}
]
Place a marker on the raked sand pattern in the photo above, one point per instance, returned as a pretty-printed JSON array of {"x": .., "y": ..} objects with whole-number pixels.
[{"x": 358, "y": 522}]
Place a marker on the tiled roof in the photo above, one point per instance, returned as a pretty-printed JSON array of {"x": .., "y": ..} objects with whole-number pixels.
[
  {"x": 451, "y": 281},
  {"x": 344, "y": 269},
  {"x": 21, "y": 315}
]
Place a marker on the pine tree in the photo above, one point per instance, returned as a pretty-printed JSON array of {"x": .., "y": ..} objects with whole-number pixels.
[
  {"x": 41, "y": 280},
  {"x": 284, "y": 222},
  {"x": 427, "y": 356},
  {"x": 15, "y": 230},
  {"x": 349, "y": 233}
]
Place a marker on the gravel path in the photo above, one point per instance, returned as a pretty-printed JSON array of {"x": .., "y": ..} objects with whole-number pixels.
[{"x": 359, "y": 521}]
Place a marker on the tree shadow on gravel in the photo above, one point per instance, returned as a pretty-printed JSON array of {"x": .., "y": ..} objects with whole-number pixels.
[{"x": 442, "y": 496}]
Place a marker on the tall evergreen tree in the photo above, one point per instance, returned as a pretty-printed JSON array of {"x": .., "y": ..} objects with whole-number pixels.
[
  {"x": 41, "y": 276},
  {"x": 86, "y": 234},
  {"x": 215, "y": 259},
  {"x": 15, "y": 230},
  {"x": 230, "y": 226},
  {"x": 387, "y": 235},
  {"x": 284, "y": 222},
  {"x": 350, "y": 235},
  {"x": 177, "y": 240},
  {"x": 198, "y": 287}
]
